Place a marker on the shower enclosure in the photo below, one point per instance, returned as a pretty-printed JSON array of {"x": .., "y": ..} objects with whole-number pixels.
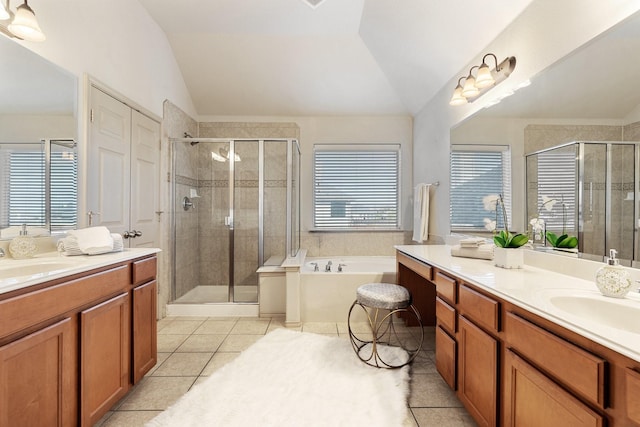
[
  {"x": 589, "y": 190},
  {"x": 235, "y": 210}
]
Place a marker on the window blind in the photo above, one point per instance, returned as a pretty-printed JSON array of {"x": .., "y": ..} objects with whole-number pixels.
[
  {"x": 356, "y": 187},
  {"x": 557, "y": 180},
  {"x": 476, "y": 172},
  {"x": 26, "y": 185}
]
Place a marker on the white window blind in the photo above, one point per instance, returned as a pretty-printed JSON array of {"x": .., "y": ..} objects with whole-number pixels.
[
  {"x": 557, "y": 180},
  {"x": 25, "y": 193},
  {"x": 356, "y": 187},
  {"x": 476, "y": 172}
]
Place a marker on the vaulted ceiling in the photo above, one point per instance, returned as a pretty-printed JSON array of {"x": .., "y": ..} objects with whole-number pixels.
[{"x": 284, "y": 57}]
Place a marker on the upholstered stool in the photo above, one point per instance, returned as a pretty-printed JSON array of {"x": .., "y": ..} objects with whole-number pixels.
[{"x": 381, "y": 302}]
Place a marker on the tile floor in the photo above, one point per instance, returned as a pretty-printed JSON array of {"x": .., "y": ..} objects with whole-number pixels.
[{"x": 191, "y": 348}]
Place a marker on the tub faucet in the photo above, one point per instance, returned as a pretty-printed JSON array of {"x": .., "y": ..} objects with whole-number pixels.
[
  {"x": 2, "y": 254},
  {"x": 327, "y": 268},
  {"x": 340, "y": 267},
  {"x": 315, "y": 266}
]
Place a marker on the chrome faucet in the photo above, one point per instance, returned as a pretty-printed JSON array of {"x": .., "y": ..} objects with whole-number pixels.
[
  {"x": 327, "y": 268},
  {"x": 2, "y": 254},
  {"x": 315, "y": 266},
  {"x": 340, "y": 267}
]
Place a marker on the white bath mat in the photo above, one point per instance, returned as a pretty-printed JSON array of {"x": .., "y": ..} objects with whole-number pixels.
[{"x": 290, "y": 378}]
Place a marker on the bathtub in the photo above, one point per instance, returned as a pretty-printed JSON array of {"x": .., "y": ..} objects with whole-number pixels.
[{"x": 327, "y": 296}]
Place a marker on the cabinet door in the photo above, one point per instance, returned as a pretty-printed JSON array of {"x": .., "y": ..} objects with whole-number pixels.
[
  {"x": 144, "y": 329},
  {"x": 532, "y": 399},
  {"x": 477, "y": 372},
  {"x": 104, "y": 357},
  {"x": 446, "y": 357},
  {"x": 38, "y": 378}
]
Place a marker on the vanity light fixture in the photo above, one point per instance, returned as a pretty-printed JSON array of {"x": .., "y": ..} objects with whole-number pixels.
[
  {"x": 485, "y": 79},
  {"x": 23, "y": 24}
]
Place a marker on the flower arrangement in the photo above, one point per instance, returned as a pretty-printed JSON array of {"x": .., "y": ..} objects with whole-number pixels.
[{"x": 503, "y": 239}]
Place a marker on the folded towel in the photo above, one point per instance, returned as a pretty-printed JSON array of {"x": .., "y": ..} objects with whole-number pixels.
[
  {"x": 69, "y": 245},
  {"x": 93, "y": 240},
  {"x": 471, "y": 242},
  {"x": 484, "y": 251}
]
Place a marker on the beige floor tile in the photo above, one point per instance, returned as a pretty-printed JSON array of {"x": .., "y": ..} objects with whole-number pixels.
[
  {"x": 183, "y": 365},
  {"x": 162, "y": 323},
  {"x": 130, "y": 418},
  {"x": 218, "y": 361},
  {"x": 251, "y": 327},
  {"x": 430, "y": 391},
  {"x": 177, "y": 327},
  {"x": 235, "y": 343},
  {"x": 156, "y": 393},
  {"x": 201, "y": 343},
  {"x": 161, "y": 358},
  {"x": 169, "y": 343},
  {"x": 320, "y": 327},
  {"x": 443, "y": 417},
  {"x": 410, "y": 421},
  {"x": 216, "y": 326}
]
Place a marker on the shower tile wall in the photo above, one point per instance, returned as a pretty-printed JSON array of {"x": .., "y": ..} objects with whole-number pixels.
[
  {"x": 174, "y": 124},
  {"x": 539, "y": 137}
]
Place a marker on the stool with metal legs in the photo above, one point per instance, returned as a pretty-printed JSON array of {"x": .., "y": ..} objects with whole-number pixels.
[{"x": 381, "y": 302}]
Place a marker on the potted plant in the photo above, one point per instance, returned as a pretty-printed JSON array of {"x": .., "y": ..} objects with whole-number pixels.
[
  {"x": 507, "y": 253},
  {"x": 563, "y": 242}
]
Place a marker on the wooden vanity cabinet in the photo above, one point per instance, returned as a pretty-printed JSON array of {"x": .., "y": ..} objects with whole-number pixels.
[
  {"x": 38, "y": 377},
  {"x": 72, "y": 347}
]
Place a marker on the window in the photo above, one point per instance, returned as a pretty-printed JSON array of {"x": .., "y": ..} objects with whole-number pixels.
[
  {"x": 25, "y": 193},
  {"x": 478, "y": 171},
  {"x": 356, "y": 187}
]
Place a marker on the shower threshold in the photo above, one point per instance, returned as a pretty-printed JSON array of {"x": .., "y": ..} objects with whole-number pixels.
[{"x": 212, "y": 301}]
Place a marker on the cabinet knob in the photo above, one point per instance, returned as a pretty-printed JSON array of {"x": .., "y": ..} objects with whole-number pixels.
[{"x": 131, "y": 234}]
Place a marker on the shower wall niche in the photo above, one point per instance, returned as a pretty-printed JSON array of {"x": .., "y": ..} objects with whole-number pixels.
[
  {"x": 590, "y": 190},
  {"x": 236, "y": 209}
]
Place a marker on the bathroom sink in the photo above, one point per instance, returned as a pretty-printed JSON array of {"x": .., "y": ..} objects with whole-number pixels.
[
  {"x": 33, "y": 267},
  {"x": 616, "y": 313}
]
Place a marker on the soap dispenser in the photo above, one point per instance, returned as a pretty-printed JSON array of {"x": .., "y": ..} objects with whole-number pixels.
[
  {"x": 612, "y": 279},
  {"x": 23, "y": 246}
]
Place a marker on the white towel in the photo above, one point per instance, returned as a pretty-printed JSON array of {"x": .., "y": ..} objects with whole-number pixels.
[
  {"x": 69, "y": 245},
  {"x": 481, "y": 252},
  {"x": 471, "y": 242},
  {"x": 93, "y": 240},
  {"x": 421, "y": 213}
]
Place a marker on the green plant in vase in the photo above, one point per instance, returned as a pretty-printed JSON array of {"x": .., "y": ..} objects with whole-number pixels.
[
  {"x": 563, "y": 241},
  {"x": 504, "y": 238}
]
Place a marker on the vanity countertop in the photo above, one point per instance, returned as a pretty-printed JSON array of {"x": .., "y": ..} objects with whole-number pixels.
[
  {"x": 21, "y": 273},
  {"x": 539, "y": 290}
]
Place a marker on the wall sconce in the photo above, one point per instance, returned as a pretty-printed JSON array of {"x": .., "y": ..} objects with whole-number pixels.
[
  {"x": 485, "y": 79},
  {"x": 23, "y": 25}
]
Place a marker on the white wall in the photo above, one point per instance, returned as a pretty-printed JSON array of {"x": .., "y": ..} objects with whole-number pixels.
[
  {"x": 116, "y": 42},
  {"x": 545, "y": 32},
  {"x": 344, "y": 129},
  {"x": 33, "y": 128}
]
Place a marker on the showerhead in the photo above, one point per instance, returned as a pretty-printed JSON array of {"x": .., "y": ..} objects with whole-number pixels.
[{"x": 187, "y": 135}]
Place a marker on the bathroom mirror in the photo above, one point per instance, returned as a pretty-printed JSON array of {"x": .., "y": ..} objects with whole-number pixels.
[
  {"x": 38, "y": 123},
  {"x": 586, "y": 96}
]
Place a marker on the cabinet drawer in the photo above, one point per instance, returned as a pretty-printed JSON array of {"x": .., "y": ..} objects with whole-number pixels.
[
  {"x": 446, "y": 316},
  {"x": 446, "y": 287},
  {"x": 481, "y": 309},
  {"x": 577, "y": 369},
  {"x": 416, "y": 266},
  {"x": 446, "y": 357},
  {"x": 30, "y": 309},
  {"x": 144, "y": 270},
  {"x": 632, "y": 393}
]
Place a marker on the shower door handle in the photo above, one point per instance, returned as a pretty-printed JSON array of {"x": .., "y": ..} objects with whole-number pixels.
[{"x": 228, "y": 221}]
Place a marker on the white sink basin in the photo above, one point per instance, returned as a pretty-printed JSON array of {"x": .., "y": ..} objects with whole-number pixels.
[
  {"x": 34, "y": 267},
  {"x": 622, "y": 314}
]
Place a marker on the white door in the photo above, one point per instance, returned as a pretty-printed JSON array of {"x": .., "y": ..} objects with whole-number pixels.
[
  {"x": 109, "y": 170},
  {"x": 123, "y": 171},
  {"x": 145, "y": 179}
]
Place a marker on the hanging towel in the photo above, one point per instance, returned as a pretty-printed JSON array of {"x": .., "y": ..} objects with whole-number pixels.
[
  {"x": 93, "y": 240},
  {"x": 421, "y": 213}
]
